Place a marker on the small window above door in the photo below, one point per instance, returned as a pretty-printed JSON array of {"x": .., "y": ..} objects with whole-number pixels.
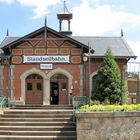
[{"x": 34, "y": 76}]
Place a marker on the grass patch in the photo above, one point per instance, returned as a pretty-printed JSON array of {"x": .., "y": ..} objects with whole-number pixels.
[{"x": 110, "y": 108}]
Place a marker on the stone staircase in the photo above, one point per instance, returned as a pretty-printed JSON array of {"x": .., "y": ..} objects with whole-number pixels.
[{"x": 37, "y": 123}]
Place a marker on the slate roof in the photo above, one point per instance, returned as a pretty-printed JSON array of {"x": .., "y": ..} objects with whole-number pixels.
[
  {"x": 8, "y": 40},
  {"x": 118, "y": 45}
]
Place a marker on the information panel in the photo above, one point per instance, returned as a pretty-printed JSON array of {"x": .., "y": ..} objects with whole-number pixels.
[{"x": 46, "y": 66}]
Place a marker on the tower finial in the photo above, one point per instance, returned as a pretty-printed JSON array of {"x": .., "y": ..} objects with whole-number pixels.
[
  {"x": 45, "y": 23},
  {"x": 64, "y": 5},
  {"x": 45, "y": 31},
  {"x": 65, "y": 9},
  {"x": 121, "y": 32},
  {"x": 7, "y": 33}
]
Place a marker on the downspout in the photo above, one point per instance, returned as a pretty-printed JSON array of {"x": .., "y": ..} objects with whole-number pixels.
[
  {"x": 1, "y": 85},
  {"x": 9, "y": 83}
]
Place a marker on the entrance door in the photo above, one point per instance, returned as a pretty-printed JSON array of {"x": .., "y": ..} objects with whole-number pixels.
[
  {"x": 59, "y": 89},
  {"x": 34, "y": 89},
  {"x": 54, "y": 93},
  {"x": 63, "y": 91}
]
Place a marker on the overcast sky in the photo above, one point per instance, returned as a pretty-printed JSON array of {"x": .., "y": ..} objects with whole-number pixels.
[{"x": 90, "y": 18}]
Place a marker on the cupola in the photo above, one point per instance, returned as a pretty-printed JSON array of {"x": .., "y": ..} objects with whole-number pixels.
[{"x": 64, "y": 15}]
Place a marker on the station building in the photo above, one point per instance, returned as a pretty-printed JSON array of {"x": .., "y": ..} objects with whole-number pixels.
[{"x": 47, "y": 67}]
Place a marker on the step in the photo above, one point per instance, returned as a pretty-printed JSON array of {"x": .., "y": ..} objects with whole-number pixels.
[
  {"x": 37, "y": 133},
  {"x": 38, "y": 123},
  {"x": 23, "y": 111},
  {"x": 68, "y": 119},
  {"x": 9, "y": 123},
  {"x": 37, "y": 115},
  {"x": 35, "y": 105},
  {"x": 42, "y": 107},
  {"x": 16, "y": 137},
  {"x": 38, "y": 128}
]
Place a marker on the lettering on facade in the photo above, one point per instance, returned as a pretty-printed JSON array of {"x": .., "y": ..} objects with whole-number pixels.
[{"x": 46, "y": 59}]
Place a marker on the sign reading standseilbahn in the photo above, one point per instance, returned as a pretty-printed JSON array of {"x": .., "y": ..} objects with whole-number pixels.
[{"x": 46, "y": 59}]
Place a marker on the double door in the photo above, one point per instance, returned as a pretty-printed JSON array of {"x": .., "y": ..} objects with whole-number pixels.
[{"x": 34, "y": 91}]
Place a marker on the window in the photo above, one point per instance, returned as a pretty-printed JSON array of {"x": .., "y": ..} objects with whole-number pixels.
[
  {"x": 34, "y": 76},
  {"x": 39, "y": 86},
  {"x": 57, "y": 77},
  {"x": 29, "y": 86},
  {"x": 63, "y": 86},
  {"x": 94, "y": 82}
]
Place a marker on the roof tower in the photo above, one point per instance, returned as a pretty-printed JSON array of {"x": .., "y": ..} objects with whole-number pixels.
[{"x": 64, "y": 15}]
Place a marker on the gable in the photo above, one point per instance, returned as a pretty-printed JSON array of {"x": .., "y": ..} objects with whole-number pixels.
[
  {"x": 44, "y": 33},
  {"x": 53, "y": 44}
]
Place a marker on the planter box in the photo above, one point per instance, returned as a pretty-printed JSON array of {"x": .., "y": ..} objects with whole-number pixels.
[{"x": 108, "y": 126}]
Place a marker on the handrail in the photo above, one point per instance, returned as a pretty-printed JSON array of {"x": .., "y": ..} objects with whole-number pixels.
[
  {"x": 11, "y": 103},
  {"x": 2, "y": 102},
  {"x": 77, "y": 102},
  {"x": 6, "y": 102}
]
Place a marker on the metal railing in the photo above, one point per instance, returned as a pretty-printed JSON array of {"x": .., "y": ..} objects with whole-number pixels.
[
  {"x": 77, "y": 102},
  {"x": 6, "y": 102},
  {"x": 11, "y": 102},
  {"x": 2, "y": 102}
]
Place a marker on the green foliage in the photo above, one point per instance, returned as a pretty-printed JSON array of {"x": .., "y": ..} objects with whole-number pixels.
[
  {"x": 110, "y": 108},
  {"x": 108, "y": 82},
  {"x": 94, "y": 102}
]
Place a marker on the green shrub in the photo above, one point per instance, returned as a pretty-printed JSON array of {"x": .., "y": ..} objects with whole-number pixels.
[
  {"x": 94, "y": 102},
  {"x": 109, "y": 85}
]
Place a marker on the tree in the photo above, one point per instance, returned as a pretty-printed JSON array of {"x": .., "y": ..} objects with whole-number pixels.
[{"x": 108, "y": 85}]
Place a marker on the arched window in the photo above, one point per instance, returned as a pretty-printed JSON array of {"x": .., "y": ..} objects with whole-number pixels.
[
  {"x": 34, "y": 76},
  {"x": 94, "y": 78},
  {"x": 57, "y": 77}
]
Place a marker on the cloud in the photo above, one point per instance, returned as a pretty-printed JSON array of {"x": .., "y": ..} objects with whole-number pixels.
[
  {"x": 7, "y": 1},
  {"x": 40, "y": 7},
  {"x": 134, "y": 65},
  {"x": 101, "y": 19},
  {"x": 135, "y": 46}
]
